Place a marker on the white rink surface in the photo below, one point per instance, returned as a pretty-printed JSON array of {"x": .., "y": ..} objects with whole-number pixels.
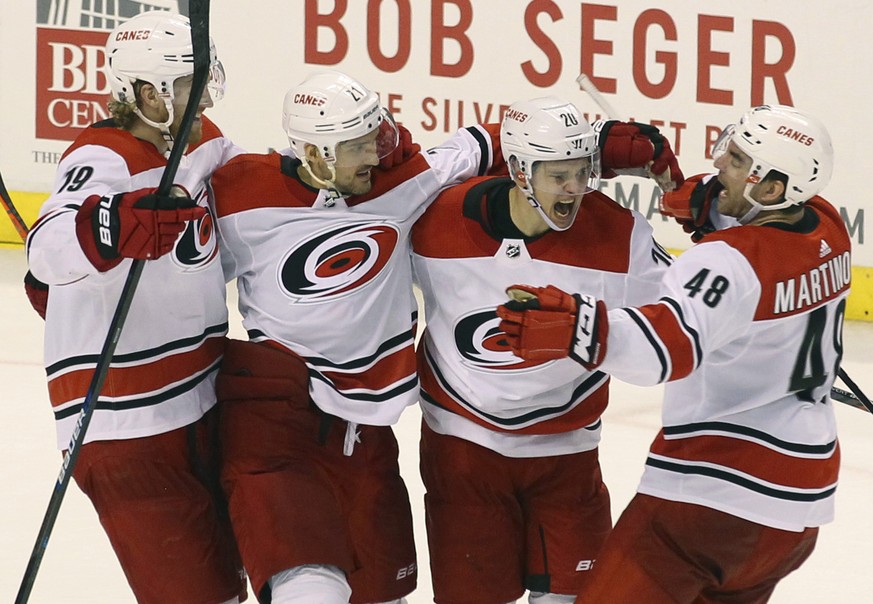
[{"x": 79, "y": 565}]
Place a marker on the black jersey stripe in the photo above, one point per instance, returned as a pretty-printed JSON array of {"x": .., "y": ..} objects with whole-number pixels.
[
  {"x": 692, "y": 333},
  {"x": 728, "y": 429},
  {"x": 594, "y": 381},
  {"x": 740, "y": 481},
  {"x": 659, "y": 351},
  {"x": 140, "y": 355},
  {"x": 139, "y": 402}
]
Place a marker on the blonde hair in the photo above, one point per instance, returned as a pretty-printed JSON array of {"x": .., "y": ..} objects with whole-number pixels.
[{"x": 124, "y": 112}]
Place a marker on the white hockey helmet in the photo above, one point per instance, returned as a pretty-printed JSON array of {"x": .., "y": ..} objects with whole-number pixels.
[
  {"x": 329, "y": 108},
  {"x": 547, "y": 129},
  {"x": 155, "y": 47},
  {"x": 786, "y": 140}
]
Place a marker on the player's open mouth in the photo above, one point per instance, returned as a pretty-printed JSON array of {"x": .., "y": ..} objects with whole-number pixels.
[{"x": 563, "y": 208}]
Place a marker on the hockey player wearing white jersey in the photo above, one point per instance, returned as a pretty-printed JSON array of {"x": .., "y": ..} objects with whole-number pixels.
[
  {"x": 319, "y": 245},
  {"x": 148, "y": 463},
  {"x": 515, "y": 499},
  {"x": 748, "y": 336}
]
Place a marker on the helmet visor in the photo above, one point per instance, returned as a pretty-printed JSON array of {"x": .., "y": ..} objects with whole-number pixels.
[
  {"x": 371, "y": 147},
  {"x": 217, "y": 80},
  {"x": 567, "y": 176},
  {"x": 720, "y": 146}
]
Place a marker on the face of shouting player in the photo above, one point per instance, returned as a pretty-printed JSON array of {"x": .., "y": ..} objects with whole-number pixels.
[
  {"x": 559, "y": 186},
  {"x": 733, "y": 169}
]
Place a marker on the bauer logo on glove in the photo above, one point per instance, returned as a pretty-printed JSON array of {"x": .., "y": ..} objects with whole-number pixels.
[{"x": 140, "y": 224}]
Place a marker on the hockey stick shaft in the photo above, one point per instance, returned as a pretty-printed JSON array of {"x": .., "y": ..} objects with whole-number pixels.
[
  {"x": 859, "y": 399},
  {"x": 12, "y": 212},
  {"x": 856, "y": 398},
  {"x": 588, "y": 86},
  {"x": 199, "y": 16}
]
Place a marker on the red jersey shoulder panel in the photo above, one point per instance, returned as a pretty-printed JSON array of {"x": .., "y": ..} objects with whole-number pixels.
[
  {"x": 444, "y": 232},
  {"x": 256, "y": 180},
  {"x": 798, "y": 270},
  {"x": 139, "y": 155}
]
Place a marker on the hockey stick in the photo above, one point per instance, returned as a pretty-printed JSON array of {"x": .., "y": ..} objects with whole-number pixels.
[
  {"x": 587, "y": 86},
  {"x": 856, "y": 398},
  {"x": 14, "y": 216},
  {"x": 859, "y": 400},
  {"x": 199, "y": 17}
]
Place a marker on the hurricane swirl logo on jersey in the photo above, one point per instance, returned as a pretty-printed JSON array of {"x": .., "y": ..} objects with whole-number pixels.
[
  {"x": 481, "y": 344},
  {"x": 198, "y": 244},
  {"x": 334, "y": 263}
]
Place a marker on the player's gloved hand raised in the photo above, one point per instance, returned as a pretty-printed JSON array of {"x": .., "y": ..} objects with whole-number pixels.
[
  {"x": 690, "y": 204},
  {"x": 139, "y": 224},
  {"x": 546, "y": 324},
  {"x": 404, "y": 150},
  {"x": 639, "y": 150}
]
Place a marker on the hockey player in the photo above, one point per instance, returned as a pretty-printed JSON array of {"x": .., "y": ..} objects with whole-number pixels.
[
  {"x": 748, "y": 336},
  {"x": 515, "y": 499},
  {"x": 320, "y": 249},
  {"x": 148, "y": 462}
]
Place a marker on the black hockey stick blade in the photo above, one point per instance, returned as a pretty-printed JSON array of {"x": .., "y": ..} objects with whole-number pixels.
[
  {"x": 199, "y": 16},
  {"x": 12, "y": 212},
  {"x": 856, "y": 398}
]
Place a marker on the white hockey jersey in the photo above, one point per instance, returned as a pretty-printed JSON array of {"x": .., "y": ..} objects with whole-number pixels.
[
  {"x": 163, "y": 371},
  {"x": 330, "y": 279},
  {"x": 473, "y": 387},
  {"x": 749, "y": 334}
]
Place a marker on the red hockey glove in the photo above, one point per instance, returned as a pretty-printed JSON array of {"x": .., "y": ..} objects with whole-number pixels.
[
  {"x": 690, "y": 204},
  {"x": 37, "y": 293},
  {"x": 405, "y": 149},
  {"x": 546, "y": 324},
  {"x": 139, "y": 224},
  {"x": 640, "y": 150}
]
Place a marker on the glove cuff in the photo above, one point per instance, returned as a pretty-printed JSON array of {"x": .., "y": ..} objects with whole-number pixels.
[
  {"x": 90, "y": 233},
  {"x": 589, "y": 341}
]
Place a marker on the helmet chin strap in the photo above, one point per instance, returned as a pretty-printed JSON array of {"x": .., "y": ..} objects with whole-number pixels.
[
  {"x": 757, "y": 207},
  {"x": 164, "y": 126},
  {"x": 539, "y": 208},
  {"x": 326, "y": 183}
]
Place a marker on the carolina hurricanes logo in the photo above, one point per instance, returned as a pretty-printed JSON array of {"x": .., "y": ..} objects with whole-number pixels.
[
  {"x": 198, "y": 244},
  {"x": 482, "y": 344},
  {"x": 336, "y": 262}
]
